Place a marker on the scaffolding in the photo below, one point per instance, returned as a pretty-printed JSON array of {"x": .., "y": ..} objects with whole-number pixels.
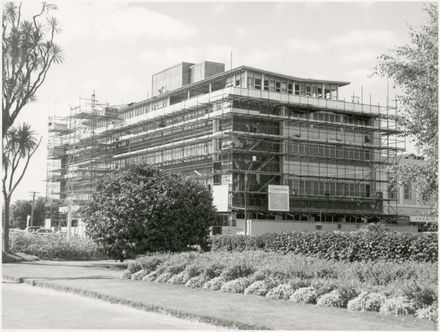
[{"x": 335, "y": 156}]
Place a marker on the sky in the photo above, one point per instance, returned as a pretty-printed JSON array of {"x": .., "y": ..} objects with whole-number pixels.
[{"x": 113, "y": 48}]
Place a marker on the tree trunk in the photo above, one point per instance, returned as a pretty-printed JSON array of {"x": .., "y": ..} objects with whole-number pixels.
[{"x": 6, "y": 226}]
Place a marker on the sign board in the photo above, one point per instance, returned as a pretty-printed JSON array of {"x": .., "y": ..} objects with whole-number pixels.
[
  {"x": 220, "y": 194},
  {"x": 278, "y": 198},
  {"x": 422, "y": 219}
]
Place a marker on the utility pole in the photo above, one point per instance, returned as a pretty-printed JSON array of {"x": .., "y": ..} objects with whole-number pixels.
[
  {"x": 69, "y": 218},
  {"x": 33, "y": 205}
]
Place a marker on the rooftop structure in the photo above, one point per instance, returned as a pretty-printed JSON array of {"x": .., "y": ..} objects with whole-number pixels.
[{"x": 244, "y": 132}]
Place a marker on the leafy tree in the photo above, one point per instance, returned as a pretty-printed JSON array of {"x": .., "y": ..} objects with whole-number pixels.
[
  {"x": 414, "y": 68},
  {"x": 23, "y": 208},
  {"x": 19, "y": 146},
  {"x": 142, "y": 209},
  {"x": 28, "y": 51}
]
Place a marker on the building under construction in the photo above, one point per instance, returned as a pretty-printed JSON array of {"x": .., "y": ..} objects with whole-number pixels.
[{"x": 279, "y": 152}]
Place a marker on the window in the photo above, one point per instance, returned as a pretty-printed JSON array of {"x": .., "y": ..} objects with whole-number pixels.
[
  {"x": 290, "y": 88},
  {"x": 407, "y": 190},
  {"x": 266, "y": 85},
  {"x": 277, "y": 86},
  {"x": 297, "y": 89},
  {"x": 258, "y": 83}
]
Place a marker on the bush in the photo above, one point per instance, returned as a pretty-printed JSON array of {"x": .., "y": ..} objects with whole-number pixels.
[
  {"x": 141, "y": 209},
  {"x": 236, "y": 285},
  {"x": 150, "y": 263},
  {"x": 281, "y": 292},
  {"x": 134, "y": 267},
  {"x": 421, "y": 292},
  {"x": 55, "y": 246},
  {"x": 332, "y": 299},
  {"x": 214, "y": 284},
  {"x": 179, "y": 279},
  {"x": 304, "y": 295},
  {"x": 258, "y": 288},
  {"x": 396, "y": 306},
  {"x": 366, "y": 302},
  {"x": 164, "y": 277},
  {"x": 429, "y": 312},
  {"x": 139, "y": 275},
  {"x": 196, "y": 282},
  {"x": 237, "y": 271},
  {"x": 354, "y": 246},
  {"x": 152, "y": 276}
]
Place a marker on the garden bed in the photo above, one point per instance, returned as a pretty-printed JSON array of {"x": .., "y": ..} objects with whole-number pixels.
[
  {"x": 391, "y": 288},
  {"x": 55, "y": 247}
]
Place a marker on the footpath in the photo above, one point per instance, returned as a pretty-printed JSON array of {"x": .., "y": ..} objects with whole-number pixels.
[{"x": 102, "y": 280}]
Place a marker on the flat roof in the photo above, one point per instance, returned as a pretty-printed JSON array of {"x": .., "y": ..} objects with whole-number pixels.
[{"x": 226, "y": 73}]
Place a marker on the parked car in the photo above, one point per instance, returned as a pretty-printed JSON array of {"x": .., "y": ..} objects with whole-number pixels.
[
  {"x": 43, "y": 231},
  {"x": 32, "y": 229}
]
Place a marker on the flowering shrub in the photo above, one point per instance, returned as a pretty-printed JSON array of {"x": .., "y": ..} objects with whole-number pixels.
[
  {"x": 366, "y": 302},
  {"x": 134, "y": 267},
  {"x": 396, "y": 306},
  {"x": 197, "y": 281},
  {"x": 164, "y": 277},
  {"x": 236, "y": 285},
  {"x": 258, "y": 288},
  {"x": 429, "y": 312},
  {"x": 332, "y": 299},
  {"x": 139, "y": 275},
  {"x": 304, "y": 294},
  {"x": 179, "y": 279},
  {"x": 214, "y": 284},
  {"x": 150, "y": 263},
  {"x": 237, "y": 271},
  {"x": 152, "y": 275},
  {"x": 281, "y": 292},
  {"x": 56, "y": 247}
]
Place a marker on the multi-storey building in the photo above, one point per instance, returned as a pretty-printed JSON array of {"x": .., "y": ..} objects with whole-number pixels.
[{"x": 244, "y": 132}]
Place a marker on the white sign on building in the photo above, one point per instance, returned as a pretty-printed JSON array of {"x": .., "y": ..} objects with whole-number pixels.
[
  {"x": 278, "y": 198},
  {"x": 220, "y": 194}
]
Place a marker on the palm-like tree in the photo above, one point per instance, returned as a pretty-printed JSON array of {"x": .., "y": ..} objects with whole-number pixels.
[{"x": 19, "y": 144}]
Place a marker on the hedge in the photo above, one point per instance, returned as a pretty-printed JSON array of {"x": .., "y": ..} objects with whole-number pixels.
[{"x": 348, "y": 246}]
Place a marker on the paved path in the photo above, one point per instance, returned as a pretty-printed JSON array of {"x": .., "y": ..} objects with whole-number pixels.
[
  {"x": 215, "y": 307},
  {"x": 27, "y": 307}
]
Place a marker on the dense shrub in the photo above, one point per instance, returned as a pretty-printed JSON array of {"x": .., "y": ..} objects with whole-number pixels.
[
  {"x": 55, "y": 247},
  {"x": 430, "y": 312},
  {"x": 214, "y": 284},
  {"x": 141, "y": 209},
  {"x": 239, "y": 270},
  {"x": 178, "y": 279},
  {"x": 258, "y": 288},
  {"x": 139, "y": 275},
  {"x": 332, "y": 299},
  {"x": 361, "y": 286},
  {"x": 281, "y": 292},
  {"x": 343, "y": 246},
  {"x": 236, "y": 285},
  {"x": 366, "y": 302},
  {"x": 304, "y": 295},
  {"x": 396, "y": 306},
  {"x": 197, "y": 281},
  {"x": 164, "y": 277}
]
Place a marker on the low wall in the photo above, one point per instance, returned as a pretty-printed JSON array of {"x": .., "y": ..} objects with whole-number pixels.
[{"x": 257, "y": 227}]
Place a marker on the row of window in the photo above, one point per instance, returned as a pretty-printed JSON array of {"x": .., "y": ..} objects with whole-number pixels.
[
  {"x": 328, "y": 151},
  {"x": 329, "y": 117},
  {"x": 329, "y": 188},
  {"x": 275, "y": 84}
]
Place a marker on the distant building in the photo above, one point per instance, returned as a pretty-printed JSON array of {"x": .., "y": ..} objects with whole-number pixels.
[
  {"x": 410, "y": 202},
  {"x": 279, "y": 152}
]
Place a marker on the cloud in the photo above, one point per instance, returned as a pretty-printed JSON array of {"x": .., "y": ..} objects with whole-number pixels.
[
  {"x": 221, "y": 7},
  {"x": 307, "y": 46},
  {"x": 110, "y": 21},
  {"x": 362, "y": 55},
  {"x": 356, "y": 38}
]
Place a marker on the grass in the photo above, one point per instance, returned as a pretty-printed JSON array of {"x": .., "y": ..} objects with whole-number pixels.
[
  {"x": 224, "y": 309},
  {"x": 258, "y": 272}
]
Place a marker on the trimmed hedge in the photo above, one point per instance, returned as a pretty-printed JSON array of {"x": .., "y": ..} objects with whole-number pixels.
[{"x": 348, "y": 246}]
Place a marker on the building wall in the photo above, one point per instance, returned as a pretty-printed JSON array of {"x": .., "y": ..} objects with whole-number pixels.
[{"x": 258, "y": 227}]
